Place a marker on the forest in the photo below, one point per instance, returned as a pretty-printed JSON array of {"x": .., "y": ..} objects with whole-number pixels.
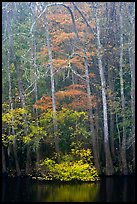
[{"x": 68, "y": 89}]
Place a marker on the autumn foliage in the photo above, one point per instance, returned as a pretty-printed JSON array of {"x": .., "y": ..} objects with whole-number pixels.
[{"x": 73, "y": 97}]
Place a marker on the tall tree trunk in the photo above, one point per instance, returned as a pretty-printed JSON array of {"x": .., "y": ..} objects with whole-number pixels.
[
  {"x": 22, "y": 98},
  {"x": 132, "y": 68},
  {"x": 119, "y": 145},
  {"x": 109, "y": 164},
  {"x": 123, "y": 150},
  {"x": 10, "y": 49},
  {"x": 4, "y": 170},
  {"x": 34, "y": 75},
  {"x": 109, "y": 60},
  {"x": 94, "y": 144},
  {"x": 93, "y": 136},
  {"x": 97, "y": 132},
  {"x": 56, "y": 139}
]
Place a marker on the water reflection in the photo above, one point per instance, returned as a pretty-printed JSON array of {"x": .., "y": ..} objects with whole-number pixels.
[
  {"x": 106, "y": 190},
  {"x": 68, "y": 193},
  {"x": 117, "y": 189}
]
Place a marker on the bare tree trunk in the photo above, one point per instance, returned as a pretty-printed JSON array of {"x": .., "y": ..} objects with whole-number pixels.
[
  {"x": 119, "y": 145},
  {"x": 56, "y": 139},
  {"x": 94, "y": 144},
  {"x": 22, "y": 99},
  {"x": 97, "y": 132},
  {"x": 4, "y": 170},
  {"x": 34, "y": 75},
  {"x": 10, "y": 49},
  {"x": 109, "y": 60},
  {"x": 109, "y": 164},
  {"x": 123, "y": 150},
  {"x": 132, "y": 68}
]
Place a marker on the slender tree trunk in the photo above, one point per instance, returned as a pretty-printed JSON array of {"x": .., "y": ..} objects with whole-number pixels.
[
  {"x": 109, "y": 164},
  {"x": 123, "y": 150},
  {"x": 132, "y": 68},
  {"x": 22, "y": 98},
  {"x": 110, "y": 36},
  {"x": 94, "y": 144},
  {"x": 4, "y": 170},
  {"x": 56, "y": 139},
  {"x": 10, "y": 49},
  {"x": 34, "y": 75},
  {"x": 119, "y": 145},
  {"x": 97, "y": 132}
]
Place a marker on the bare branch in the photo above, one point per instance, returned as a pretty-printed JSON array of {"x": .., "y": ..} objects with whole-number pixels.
[{"x": 84, "y": 18}]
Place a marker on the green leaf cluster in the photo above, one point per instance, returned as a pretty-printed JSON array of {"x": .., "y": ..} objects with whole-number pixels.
[{"x": 76, "y": 166}]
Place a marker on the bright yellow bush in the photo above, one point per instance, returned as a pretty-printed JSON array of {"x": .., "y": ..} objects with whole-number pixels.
[{"x": 77, "y": 166}]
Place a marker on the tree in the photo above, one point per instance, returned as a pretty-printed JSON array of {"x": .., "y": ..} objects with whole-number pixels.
[
  {"x": 109, "y": 165},
  {"x": 132, "y": 67},
  {"x": 10, "y": 53},
  {"x": 123, "y": 149}
]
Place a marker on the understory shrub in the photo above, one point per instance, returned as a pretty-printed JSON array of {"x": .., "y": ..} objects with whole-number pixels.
[{"x": 76, "y": 166}]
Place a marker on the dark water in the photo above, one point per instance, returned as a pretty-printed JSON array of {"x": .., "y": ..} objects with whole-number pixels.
[{"x": 106, "y": 190}]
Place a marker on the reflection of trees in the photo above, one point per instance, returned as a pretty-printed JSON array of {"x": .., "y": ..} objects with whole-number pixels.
[
  {"x": 72, "y": 193},
  {"x": 3, "y": 189},
  {"x": 109, "y": 189},
  {"x": 125, "y": 190}
]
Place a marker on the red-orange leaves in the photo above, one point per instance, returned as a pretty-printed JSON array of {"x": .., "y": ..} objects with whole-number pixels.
[
  {"x": 77, "y": 62},
  {"x": 91, "y": 75},
  {"x": 60, "y": 18},
  {"x": 83, "y": 102},
  {"x": 74, "y": 97},
  {"x": 79, "y": 98},
  {"x": 76, "y": 86},
  {"x": 60, "y": 63},
  {"x": 44, "y": 103},
  {"x": 60, "y": 37},
  {"x": 72, "y": 93}
]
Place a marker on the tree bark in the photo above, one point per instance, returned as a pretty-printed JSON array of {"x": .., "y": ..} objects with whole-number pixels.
[
  {"x": 56, "y": 139},
  {"x": 93, "y": 136},
  {"x": 109, "y": 164},
  {"x": 4, "y": 170},
  {"x": 10, "y": 50},
  {"x": 109, "y": 61},
  {"x": 123, "y": 150},
  {"x": 132, "y": 68},
  {"x": 35, "y": 71},
  {"x": 22, "y": 99},
  {"x": 94, "y": 144}
]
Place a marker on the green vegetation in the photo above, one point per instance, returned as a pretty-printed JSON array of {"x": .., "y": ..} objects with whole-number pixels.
[
  {"x": 76, "y": 166},
  {"x": 68, "y": 98}
]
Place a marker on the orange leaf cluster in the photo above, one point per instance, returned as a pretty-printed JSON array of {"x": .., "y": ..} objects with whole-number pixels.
[
  {"x": 71, "y": 93},
  {"x": 44, "y": 51},
  {"x": 58, "y": 63},
  {"x": 60, "y": 18},
  {"x": 78, "y": 62},
  {"x": 82, "y": 102},
  {"x": 60, "y": 37},
  {"x": 76, "y": 86},
  {"x": 81, "y": 26},
  {"x": 80, "y": 99},
  {"x": 93, "y": 24},
  {"x": 44, "y": 103},
  {"x": 91, "y": 75}
]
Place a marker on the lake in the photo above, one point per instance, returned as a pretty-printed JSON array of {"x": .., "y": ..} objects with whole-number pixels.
[{"x": 117, "y": 189}]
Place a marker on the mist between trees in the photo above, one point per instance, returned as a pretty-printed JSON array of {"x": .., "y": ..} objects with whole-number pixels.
[{"x": 68, "y": 85}]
